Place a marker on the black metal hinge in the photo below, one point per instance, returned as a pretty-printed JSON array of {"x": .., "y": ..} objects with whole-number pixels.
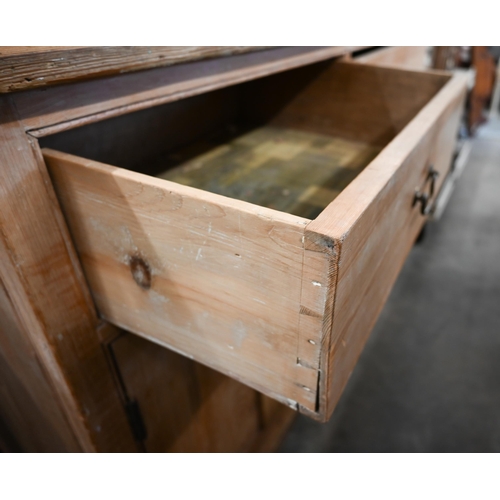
[
  {"x": 136, "y": 421},
  {"x": 132, "y": 410}
]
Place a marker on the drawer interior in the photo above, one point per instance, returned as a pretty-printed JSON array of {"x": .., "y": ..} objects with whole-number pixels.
[
  {"x": 290, "y": 142},
  {"x": 286, "y": 169}
]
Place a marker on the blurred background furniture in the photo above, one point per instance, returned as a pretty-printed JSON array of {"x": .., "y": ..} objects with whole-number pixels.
[{"x": 482, "y": 63}]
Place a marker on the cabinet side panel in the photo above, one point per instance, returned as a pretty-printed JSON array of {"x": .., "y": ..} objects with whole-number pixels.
[
  {"x": 39, "y": 272},
  {"x": 28, "y": 405}
]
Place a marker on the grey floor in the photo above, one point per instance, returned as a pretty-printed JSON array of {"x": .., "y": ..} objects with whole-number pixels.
[{"x": 429, "y": 377}]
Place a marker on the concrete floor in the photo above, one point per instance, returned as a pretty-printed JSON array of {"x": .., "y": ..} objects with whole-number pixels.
[{"x": 429, "y": 377}]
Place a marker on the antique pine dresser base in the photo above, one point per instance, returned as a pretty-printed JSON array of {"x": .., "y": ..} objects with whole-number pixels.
[{"x": 103, "y": 252}]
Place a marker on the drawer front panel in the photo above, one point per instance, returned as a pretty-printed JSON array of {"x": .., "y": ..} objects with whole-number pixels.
[
  {"x": 374, "y": 224},
  {"x": 215, "y": 279}
]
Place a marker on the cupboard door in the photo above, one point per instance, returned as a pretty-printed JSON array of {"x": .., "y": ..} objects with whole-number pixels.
[{"x": 185, "y": 406}]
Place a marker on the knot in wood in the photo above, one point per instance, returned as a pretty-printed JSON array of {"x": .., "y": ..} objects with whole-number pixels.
[{"x": 141, "y": 272}]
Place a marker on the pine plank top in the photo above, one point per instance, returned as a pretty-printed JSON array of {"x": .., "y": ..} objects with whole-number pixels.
[
  {"x": 30, "y": 67},
  {"x": 23, "y": 68}
]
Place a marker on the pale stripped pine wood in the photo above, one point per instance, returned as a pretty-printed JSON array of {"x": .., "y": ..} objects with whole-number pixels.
[
  {"x": 358, "y": 254},
  {"x": 348, "y": 259},
  {"x": 53, "y": 308},
  {"x": 356, "y": 102},
  {"x": 374, "y": 224},
  {"x": 32, "y": 416},
  {"x": 397, "y": 57},
  {"x": 225, "y": 275},
  {"x": 98, "y": 399},
  {"x": 186, "y": 407},
  {"x": 31, "y": 67}
]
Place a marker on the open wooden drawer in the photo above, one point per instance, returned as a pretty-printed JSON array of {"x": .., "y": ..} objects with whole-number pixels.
[{"x": 259, "y": 228}]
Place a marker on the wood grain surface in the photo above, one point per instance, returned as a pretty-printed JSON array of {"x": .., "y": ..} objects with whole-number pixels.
[
  {"x": 30, "y": 67},
  {"x": 47, "y": 294},
  {"x": 189, "y": 408},
  {"x": 279, "y": 301},
  {"x": 374, "y": 223},
  {"x": 397, "y": 57},
  {"x": 357, "y": 102},
  {"x": 186, "y": 407},
  {"x": 240, "y": 286},
  {"x": 213, "y": 278},
  {"x": 58, "y": 392},
  {"x": 31, "y": 415}
]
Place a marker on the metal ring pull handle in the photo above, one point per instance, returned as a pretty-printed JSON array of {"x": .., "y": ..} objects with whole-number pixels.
[
  {"x": 432, "y": 176},
  {"x": 424, "y": 198}
]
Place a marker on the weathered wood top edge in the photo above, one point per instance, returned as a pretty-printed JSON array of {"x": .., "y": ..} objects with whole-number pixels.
[
  {"x": 68, "y": 106},
  {"x": 200, "y": 194},
  {"x": 404, "y": 57},
  {"x": 24, "y": 68}
]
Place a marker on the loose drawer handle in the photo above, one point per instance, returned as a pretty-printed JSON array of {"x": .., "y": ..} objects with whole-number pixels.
[{"x": 424, "y": 198}]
